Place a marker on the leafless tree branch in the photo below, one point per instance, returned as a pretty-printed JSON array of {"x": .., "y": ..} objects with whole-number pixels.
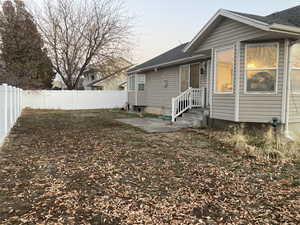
[{"x": 79, "y": 33}]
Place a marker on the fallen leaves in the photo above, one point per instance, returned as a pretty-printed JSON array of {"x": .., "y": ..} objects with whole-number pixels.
[{"x": 85, "y": 168}]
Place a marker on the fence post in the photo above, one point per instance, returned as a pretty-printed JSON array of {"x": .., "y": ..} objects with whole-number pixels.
[
  {"x": 3, "y": 125},
  {"x": 21, "y": 101},
  {"x": 5, "y": 108},
  {"x": 9, "y": 106},
  {"x": 14, "y": 104}
]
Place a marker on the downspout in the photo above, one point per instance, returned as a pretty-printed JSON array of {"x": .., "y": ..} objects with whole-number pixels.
[{"x": 288, "y": 46}]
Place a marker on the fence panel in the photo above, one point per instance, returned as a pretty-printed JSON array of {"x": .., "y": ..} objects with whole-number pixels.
[
  {"x": 74, "y": 100},
  {"x": 10, "y": 109}
]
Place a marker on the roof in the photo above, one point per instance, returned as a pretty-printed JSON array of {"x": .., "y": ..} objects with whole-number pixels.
[
  {"x": 284, "y": 21},
  {"x": 169, "y": 56},
  {"x": 289, "y": 17}
]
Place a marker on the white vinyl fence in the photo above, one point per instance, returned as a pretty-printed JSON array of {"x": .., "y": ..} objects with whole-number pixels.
[
  {"x": 74, "y": 100},
  {"x": 10, "y": 108},
  {"x": 13, "y": 100}
]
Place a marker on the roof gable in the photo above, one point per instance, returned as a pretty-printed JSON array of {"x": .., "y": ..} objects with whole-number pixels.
[
  {"x": 227, "y": 32},
  {"x": 286, "y": 21},
  {"x": 277, "y": 22}
]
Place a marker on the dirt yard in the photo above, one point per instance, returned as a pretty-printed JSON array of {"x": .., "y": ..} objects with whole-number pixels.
[{"x": 86, "y": 168}]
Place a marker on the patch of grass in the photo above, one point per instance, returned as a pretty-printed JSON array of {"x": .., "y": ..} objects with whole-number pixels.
[{"x": 261, "y": 145}]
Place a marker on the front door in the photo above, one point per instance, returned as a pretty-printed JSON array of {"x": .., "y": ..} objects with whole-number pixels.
[{"x": 195, "y": 75}]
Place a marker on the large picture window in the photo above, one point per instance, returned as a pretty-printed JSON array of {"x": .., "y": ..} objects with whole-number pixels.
[
  {"x": 261, "y": 67},
  {"x": 295, "y": 68},
  {"x": 224, "y": 70}
]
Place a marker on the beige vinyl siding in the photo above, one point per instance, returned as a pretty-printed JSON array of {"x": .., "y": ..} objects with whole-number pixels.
[
  {"x": 294, "y": 116},
  {"x": 131, "y": 97},
  {"x": 141, "y": 98},
  {"x": 156, "y": 94},
  {"x": 228, "y": 32},
  {"x": 294, "y": 108},
  {"x": 261, "y": 107}
]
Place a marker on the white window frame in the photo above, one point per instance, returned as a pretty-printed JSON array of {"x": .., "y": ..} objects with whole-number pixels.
[
  {"x": 275, "y": 68},
  {"x": 291, "y": 68},
  {"x": 140, "y": 79},
  {"x": 232, "y": 47},
  {"x": 129, "y": 83}
]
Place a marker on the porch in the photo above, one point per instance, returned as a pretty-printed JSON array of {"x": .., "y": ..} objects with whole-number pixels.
[
  {"x": 192, "y": 98},
  {"x": 194, "y": 90}
]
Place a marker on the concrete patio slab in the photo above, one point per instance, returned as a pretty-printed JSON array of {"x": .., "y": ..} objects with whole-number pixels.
[{"x": 154, "y": 125}]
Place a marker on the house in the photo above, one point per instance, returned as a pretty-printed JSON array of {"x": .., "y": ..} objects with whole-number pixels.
[
  {"x": 110, "y": 76},
  {"x": 58, "y": 84},
  {"x": 240, "y": 68}
]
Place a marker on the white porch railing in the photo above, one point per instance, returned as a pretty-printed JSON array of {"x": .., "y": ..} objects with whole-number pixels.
[{"x": 192, "y": 97}]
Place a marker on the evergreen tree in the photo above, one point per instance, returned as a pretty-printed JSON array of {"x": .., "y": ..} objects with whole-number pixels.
[{"x": 23, "y": 53}]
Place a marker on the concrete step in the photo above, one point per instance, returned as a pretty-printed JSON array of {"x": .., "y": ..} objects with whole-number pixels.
[
  {"x": 192, "y": 115},
  {"x": 195, "y": 122},
  {"x": 194, "y": 118}
]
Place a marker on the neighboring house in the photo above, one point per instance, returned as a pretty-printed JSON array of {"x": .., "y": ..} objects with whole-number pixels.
[
  {"x": 113, "y": 77},
  {"x": 239, "y": 67},
  {"x": 58, "y": 84}
]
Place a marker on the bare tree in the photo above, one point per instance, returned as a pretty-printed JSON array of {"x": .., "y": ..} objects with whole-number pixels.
[{"x": 83, "y": 32}]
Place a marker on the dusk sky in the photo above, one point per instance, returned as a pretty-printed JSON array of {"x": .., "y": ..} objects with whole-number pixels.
[
  {"x": 160, "y": 25},
  {"x": 163, "y": 24}
]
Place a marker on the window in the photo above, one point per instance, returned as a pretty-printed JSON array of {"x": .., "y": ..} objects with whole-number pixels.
[
  {"x": 131, "y": 83},
  {"x": 141, "y": 80},
  {"x": 138, "y": 81},
  {"x": 261, "y": 67},
  {"x": 295, "y": 68},
  {"x": 224, "y": 70}
]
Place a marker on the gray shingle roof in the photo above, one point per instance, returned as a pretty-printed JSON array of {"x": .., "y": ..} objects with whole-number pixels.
[
  {"x": 171, "y": 55},
  {"x": 289, "y": 17}
]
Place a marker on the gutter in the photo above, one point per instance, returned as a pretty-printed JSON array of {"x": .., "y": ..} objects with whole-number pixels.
[
  {"x": 286, "y": 28},
  {"x": 171, "y": 63}
]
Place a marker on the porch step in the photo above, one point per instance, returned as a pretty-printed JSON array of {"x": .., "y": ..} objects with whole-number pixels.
[
  {"x": 194, "y": 118},
  {"x": 191, "y": 119}
]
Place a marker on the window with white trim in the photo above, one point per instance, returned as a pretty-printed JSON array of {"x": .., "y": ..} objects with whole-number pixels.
[
  {"x": 224, "y": 70},
  {"x": 141, "y": 80},
  {"x": 131, "y": 83},
  {"x": 261, "y": 67},
  {"x": 295, "y": 68}
]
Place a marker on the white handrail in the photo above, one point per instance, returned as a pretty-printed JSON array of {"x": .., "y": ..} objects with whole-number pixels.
[{"x": 192, "y": 97}]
